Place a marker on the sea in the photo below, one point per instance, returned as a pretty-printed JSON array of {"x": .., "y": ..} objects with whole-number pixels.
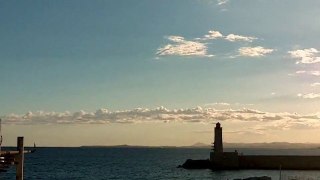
[{"x": 101, "y": 163}]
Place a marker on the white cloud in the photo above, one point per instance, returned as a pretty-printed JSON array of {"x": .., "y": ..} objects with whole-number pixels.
[
  {"x": 306, "y": 56},
  {"x": 176, "y": 38},
  {"x": 257, "y": 51},
  {"x": 234, "y": 37},
  {"x": 182, "y": 47},
  {"x": 179, "y": 46},
  {"x": 213, "y": 35},
  {"x": 315, "y": 84},
  {"x": 217, "y": 104},
  {"x": 221, "y": 2},
  {"x": 261, "y": 120},
  {"x": 313, "y": 73},
  {"x": 300, "y": 72},
  {"x": 309, "y": 95},
  {"x": 224, "y": 104}
]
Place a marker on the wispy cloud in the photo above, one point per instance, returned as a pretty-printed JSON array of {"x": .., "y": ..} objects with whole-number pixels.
[
  {"x": 301, "y": 72},
  {"x": 234, "y": 37},
  {"x": 218, "y": 104},
  {"x": 213, "y": 34},
  {"x": 257, "y": 51},
  {"x": 315, "y": 84},
  {"x": 221, "y": 2},
  {"x": 181, "y": 47},
  {"x": 313, "y": 73},
  {"x": 254, "y": 132},
  {"x": 225, "y": 104},
  {"x": 161, "y": 114},
  {"x": 309, "y": 95},
  {"x": 305, "y": 56}
]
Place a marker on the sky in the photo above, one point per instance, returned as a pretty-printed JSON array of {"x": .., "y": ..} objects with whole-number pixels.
[{"x": 145, "y": 72}]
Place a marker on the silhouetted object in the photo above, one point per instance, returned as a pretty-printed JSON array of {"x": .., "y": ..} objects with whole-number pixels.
[
  {"x": 34, "y": 148},
  {"x": 217, "y": 144},
  {"x": 8, "y": 158},
  {"x": 0, "y": 134},
  {"x": 256, "y": 178},
  {"x": 19, "y": 159},
  {"x": 232, "y": 160},
  {"x": 196, "y": 164}
]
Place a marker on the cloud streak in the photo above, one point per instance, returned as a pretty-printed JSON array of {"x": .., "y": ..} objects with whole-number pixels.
[
  {"x": 214, "y": 34},
  {"x": 211, "y": 35},
  {"x": 257, "y": 51},
  {"x": 313, "y": 73},
  {"x": 309, "y": 95},
  {"x": 262, "y": 120},
  {"x": 181, "y": 47},
  {"x": 315, "y": 84},
  {"x": 221, "y": 2},
  {"x": 234, "y": 37}
]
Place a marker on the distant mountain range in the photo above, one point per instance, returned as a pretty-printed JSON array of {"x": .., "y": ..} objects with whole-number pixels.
[
  {"x": 127, "y": 146},
  {"x": 272, "y": 145}
]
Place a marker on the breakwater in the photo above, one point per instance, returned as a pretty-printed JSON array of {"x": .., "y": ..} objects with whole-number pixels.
[{"x": 233, "y": 160}]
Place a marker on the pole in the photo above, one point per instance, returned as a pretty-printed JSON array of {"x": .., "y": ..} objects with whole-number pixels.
[
  {"x": 0, "y": 135},
  {"x": 280, "y": 173},
  {"x": 20, "y": 159}
]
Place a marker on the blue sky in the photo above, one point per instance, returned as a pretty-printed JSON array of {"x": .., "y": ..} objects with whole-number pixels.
[{"x": 80, "y": 56}]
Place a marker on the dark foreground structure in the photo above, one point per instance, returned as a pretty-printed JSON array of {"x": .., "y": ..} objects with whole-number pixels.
[
  {"x": 232, "y": 160},
  {"x": 8, "y": 158}
]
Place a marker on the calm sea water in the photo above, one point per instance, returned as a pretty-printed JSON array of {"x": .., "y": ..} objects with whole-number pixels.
[{"x": 139, "y": 163}]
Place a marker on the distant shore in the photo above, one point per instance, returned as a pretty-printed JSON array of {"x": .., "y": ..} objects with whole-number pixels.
[{"x": 272, "y": 145}]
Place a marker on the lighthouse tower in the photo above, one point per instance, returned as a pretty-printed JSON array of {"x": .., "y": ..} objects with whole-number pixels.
[
  {"x": 220, "y": 159},
  {"x": 217, "y": 144}
]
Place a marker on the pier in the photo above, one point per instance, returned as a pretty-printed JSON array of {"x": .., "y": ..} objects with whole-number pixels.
[
  {"x": 16, "y": 158},
  {"x": 13, "y": 158},
  {"x": 221, "y": 160}
]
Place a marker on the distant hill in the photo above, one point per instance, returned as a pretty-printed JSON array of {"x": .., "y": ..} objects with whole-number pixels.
[
  {"x": 200, "y": 145},
  {"x": 272, "y": 145},
  {"x": 126, "y": 146}
]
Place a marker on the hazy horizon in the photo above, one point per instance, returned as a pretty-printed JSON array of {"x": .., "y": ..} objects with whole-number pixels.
[{"x": 159, "y": 73}]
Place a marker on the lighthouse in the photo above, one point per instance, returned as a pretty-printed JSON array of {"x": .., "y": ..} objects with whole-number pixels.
[
  {"x": 217, "y": 144},
  {"x": 220, "y": 159}
]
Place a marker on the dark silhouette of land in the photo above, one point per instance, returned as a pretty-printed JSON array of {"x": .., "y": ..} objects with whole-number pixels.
[
  {"x": 219, "y": 159},
  {"x": 271, "y": 145}
]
